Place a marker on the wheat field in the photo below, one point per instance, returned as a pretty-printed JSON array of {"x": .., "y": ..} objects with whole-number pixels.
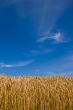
[{"x": 36, "y": 93}]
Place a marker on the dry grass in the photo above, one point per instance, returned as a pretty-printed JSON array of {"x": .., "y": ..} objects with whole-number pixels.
[{"x": 36, "y": 93}]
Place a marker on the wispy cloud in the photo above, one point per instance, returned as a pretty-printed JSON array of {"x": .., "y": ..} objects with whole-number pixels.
[
  {"x": 68, "y": 59},
  {"x": 38, "y": 52},
  {"x": 40, "y": 9},
  {"x": 52, "y": 11},
  {"x": 19, "y": 64},
  {"x": 65, "y": 63},
  {"x": 57, "y": 37},
  {"x": 42, "y": 39},
  {"x": 45, "y": 13}
]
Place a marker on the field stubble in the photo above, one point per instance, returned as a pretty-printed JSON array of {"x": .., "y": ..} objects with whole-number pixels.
[{"x": 36, "y": 93}]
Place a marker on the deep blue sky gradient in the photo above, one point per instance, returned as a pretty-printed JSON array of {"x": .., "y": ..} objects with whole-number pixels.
[{"x": 23, "y": 24}]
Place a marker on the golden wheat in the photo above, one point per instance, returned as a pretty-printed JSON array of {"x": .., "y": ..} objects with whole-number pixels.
[{"x": 36, "y": 93}]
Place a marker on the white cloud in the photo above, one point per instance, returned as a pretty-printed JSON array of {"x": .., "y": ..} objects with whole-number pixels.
[
  {"x": 42, "y": 39},
  {"x": 19, "y": 64},
  {"x": 57, "y": 37}
]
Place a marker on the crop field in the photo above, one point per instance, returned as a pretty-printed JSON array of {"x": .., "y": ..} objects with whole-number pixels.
[{"x": 36, "y": 93}]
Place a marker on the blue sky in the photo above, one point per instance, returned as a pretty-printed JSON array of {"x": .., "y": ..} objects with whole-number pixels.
[{"x": 36, "y": 37}]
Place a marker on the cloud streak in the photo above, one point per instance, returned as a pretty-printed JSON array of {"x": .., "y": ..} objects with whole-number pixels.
[
  {"x": 45, "y": 13},
  {"x": 52, "y": 11},
  {"x": 57, "y": 37},
  {"x": 38, "y": 52},
  {"x": 19, "y": 64}
]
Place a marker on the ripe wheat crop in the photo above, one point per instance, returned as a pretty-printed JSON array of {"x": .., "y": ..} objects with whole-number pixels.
[{"x": 36, "y": 93}]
